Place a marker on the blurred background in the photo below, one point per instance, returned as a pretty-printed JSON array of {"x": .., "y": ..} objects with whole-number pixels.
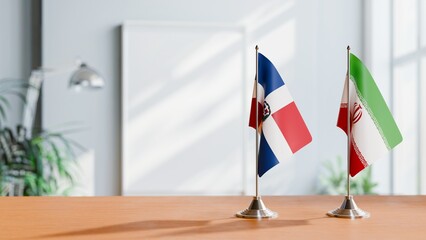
[{"x": 172, "y": 117}]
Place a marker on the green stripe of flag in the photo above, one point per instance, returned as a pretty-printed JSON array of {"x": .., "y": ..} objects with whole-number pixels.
[{"x": 369, "y": 94}]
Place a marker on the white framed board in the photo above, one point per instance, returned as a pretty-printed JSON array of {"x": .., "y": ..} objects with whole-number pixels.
[{"x": 184, "y": 109}]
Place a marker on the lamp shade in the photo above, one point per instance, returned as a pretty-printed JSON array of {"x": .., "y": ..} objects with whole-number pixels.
[{"x": 86, "y": 77}]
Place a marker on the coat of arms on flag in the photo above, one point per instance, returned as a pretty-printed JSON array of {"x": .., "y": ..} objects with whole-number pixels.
[
  {"x": 281, "y": 126},
  {"x": 373, "y": 129}
]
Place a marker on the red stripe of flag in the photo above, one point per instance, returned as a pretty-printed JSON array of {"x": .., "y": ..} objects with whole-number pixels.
[
  {"x": 356, "y": 163},
  {"x": 292, "y": 127},
  {"x": 252, "y": 120},
  {"x": 342, "y": 119}
]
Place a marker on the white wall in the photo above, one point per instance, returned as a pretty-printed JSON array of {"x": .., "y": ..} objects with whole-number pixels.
[
  {"x": 306, "y": 40},
  {"x": 15, "y": 47},
  {"x": 395, "y": 60}
]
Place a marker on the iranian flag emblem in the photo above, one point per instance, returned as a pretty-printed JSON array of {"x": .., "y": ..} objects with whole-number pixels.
[{"x": 373, "y": 129}]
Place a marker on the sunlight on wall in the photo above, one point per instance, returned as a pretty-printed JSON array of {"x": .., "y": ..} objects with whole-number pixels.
[
  {"x": 189, "y": 131},
  {"x": 182, "y": 133},
  {"x": 395, "y": 53},
  {"x": 213, "y": 46},
  {"x": 187, "y": 96},
  {"x": 265, "y": 13},
  {"x": 283, "y": 36},
  {"x": 405, "y": 37},
  {"x": 405, "y": 104}
]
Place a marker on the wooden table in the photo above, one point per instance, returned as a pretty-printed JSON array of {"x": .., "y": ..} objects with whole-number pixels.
[{"x": 301, "y": 217}]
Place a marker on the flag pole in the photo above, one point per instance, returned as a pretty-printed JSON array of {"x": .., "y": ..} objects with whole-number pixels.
[
  {"x": 348, "y": 209},
  {"x": 257, "y": 123},
  {"x": 348, "y": 67},
  {"x": 257, "y": 208}
]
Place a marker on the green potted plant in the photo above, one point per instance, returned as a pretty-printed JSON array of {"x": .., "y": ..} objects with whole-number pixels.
[
  {"x": 40, "y": 164},
  {"x": 334, "y": 176}
]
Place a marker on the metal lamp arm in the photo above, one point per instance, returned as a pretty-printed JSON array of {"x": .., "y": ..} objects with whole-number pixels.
[{"x": 33, "y": 93}]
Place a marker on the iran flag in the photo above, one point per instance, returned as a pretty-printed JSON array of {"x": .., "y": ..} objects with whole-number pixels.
[
  {"x": 281, "y": 127},
  {"x": 373, "y": 129}
]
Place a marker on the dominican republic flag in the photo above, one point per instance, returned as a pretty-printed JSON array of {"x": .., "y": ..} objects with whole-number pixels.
[
  {"x": 373, "y": 129},
  {"x": 281, "y": 127}
]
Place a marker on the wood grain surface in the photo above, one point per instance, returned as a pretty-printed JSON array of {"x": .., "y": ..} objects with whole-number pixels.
[{"x": 300, "y": 217}]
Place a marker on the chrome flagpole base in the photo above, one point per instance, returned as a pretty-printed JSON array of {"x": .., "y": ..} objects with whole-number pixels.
[
  {"x": 257, "y": 209},
  {"x": 349, "y": 209}
]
